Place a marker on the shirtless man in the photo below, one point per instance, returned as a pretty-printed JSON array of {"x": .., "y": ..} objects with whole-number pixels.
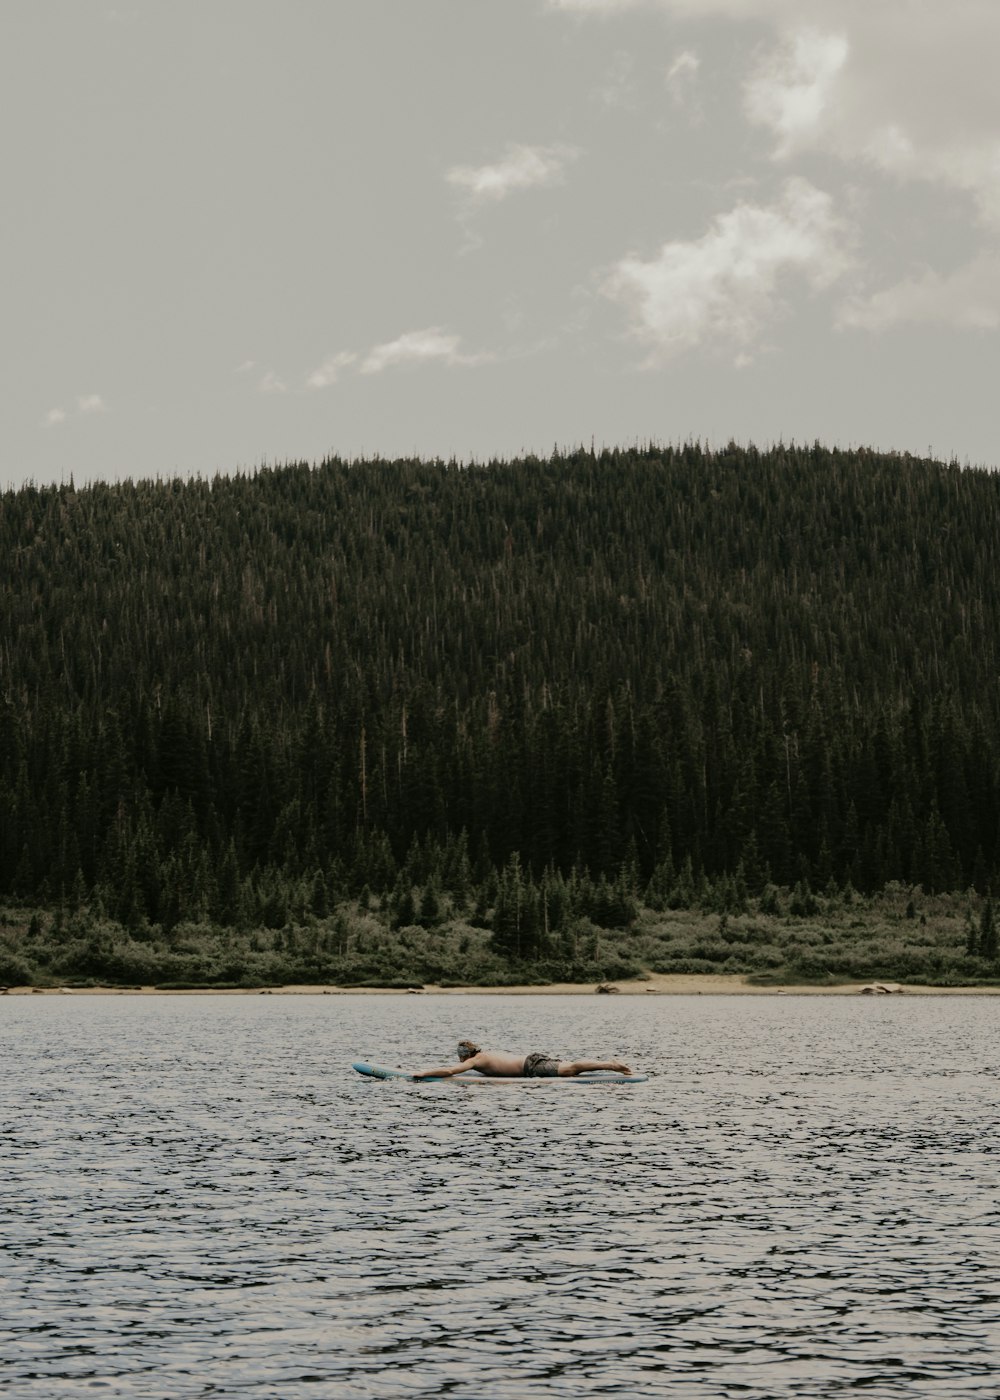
[{"x": 501, "y": 1065}]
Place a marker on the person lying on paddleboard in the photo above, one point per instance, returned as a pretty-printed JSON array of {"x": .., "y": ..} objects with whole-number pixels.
[{"x": 504, "y": 1066}]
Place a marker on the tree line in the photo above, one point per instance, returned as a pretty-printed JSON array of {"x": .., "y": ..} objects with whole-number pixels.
[{"x": 642, "y": 672}]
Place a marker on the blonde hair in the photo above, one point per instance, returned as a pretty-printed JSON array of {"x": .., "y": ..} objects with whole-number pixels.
[{"x": 466, "y": 1049}]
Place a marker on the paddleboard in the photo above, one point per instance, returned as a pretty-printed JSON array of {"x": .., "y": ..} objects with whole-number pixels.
[{"x": 596, "y": 1076}]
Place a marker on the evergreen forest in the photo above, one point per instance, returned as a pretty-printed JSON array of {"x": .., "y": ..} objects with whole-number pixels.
[{"x": 407, "y": 721}]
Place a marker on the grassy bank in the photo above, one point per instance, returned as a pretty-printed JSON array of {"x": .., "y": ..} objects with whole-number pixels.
[{"x": 900, "y": 935}]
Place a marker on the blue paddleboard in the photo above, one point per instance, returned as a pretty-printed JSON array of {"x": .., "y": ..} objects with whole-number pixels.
[{"x": 596, "y": 1076}]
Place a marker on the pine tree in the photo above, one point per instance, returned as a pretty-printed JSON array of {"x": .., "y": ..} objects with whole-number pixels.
[
  {"x": 971, "y": 935},
  {"x": 988, "y": 931}
]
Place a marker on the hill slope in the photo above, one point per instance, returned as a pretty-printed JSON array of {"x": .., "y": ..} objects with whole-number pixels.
[{"x": 661, "y": 666}]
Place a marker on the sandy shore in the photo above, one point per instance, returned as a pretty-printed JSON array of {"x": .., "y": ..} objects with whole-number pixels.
[{"x": 655, "y": 984}]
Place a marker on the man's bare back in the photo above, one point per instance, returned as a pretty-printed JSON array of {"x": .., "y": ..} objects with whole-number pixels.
[
  {"x": 501, "y": 1064},
  {"x": 496, "y": 1062}
]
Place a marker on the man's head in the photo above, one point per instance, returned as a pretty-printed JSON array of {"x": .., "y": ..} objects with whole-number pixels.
[{"x": 466, "y": 1049}]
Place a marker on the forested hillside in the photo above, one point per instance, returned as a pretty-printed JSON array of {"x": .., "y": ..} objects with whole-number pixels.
[{"x": 647, "y": 672}]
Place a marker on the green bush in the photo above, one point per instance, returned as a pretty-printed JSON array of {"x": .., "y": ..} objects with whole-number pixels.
[{"x": 14, "y": 971}]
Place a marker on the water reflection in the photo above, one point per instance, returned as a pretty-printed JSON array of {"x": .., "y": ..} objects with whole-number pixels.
[{"x": 198, "y": 1198}]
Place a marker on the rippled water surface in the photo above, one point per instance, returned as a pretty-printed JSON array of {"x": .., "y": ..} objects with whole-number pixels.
[{"x": 199, "y": 1197}]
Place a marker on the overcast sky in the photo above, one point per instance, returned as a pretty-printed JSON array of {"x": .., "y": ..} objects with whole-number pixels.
[{"x": 237, "y": 232}]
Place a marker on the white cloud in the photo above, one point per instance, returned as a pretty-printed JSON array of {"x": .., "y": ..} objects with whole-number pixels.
[
  {"x": 594, "y": 7},
  {"x": 521, "y": 168},
  {"x": 913, "y": 95},
  {"x": 791, "y": 88},
  {"x": 681, "y": 80},
  {"x": 86, "y": 404},
  {"x": 693, "y": 9},
  {"x": 271, "y": 383},
  {"x": 723, "y": 288},
  {"x": 418, "y": 347},
  {"x": 245, "y": 367},
  {"x": 618, "y": 87},
  {"x": 329, "y": 371},
  {"x": 966, "y": 162},
  {"x": 968, "y": 299},
  {"x": 684, "y": 65},
  {"x": 890, "y": 147}
]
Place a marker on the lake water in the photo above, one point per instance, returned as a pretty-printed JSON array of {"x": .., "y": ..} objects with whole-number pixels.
[{"x": 198, "y": 1197}]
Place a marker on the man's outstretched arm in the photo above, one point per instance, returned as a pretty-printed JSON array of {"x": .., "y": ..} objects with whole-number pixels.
[{"x": 445, "y": 1073}]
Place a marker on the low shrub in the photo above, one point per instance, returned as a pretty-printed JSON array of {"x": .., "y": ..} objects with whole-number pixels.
[{"x": 14, "y": 971}]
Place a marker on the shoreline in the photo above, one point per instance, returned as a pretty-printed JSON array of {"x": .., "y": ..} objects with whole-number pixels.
[{"x": 655, "y": 984}]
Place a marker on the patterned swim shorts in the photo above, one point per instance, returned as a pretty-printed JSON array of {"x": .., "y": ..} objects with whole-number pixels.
[{"x": 537, "y": 1066}]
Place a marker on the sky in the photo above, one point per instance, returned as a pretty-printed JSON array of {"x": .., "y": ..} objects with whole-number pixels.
[{"x": 238, "y": 233}]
